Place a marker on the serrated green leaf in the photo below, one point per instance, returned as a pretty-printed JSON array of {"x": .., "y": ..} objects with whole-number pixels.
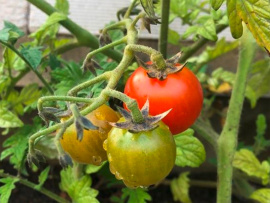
[
  {"x": 216, "y": 4},
  {"x": 180, "y": 188},
  {"x": 50, "y": 27},
  {"x": 205, "y": 26},
  {"x": 14, "y": 28},
  {"x": 173, "y": 37},
  {"x": 29, "y": 94},
  {"x": 5, "y": 190},
  {"x": 137, "y": 195},
  {"x": 222, "y": 47},
  {"x": 16, "y": 145},
  {"x": 260, "y": 142},
  {"x": 189, "y": 151},
  {"x": 9, "y": 119},
  {"x": 42, "y": 177},
  {"x": 261, "y": 195},
  {"x": 258, "y": 81},
  {"x": 33, "y": 55},
  {"x": 255, "y": 14},
  {"x": 62, "y": 6},
  {"x": 78, "y": 189},
  {"x": 247, "y": 162},
  {"x": 4, "y": 34},
  {"x": 90, "y": 168}
]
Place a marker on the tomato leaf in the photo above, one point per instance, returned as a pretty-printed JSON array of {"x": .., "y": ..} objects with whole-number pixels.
[
  {"x": 173, "y": 37},
  {"x": 42, "y": 177},
  {"x": 222, "y": 47},
  {"x": 62, "y": 6},
  {"x": 205, "y": 27},
  {"x": 189, "y": 150},
  {"x": 261, "y": 195},
  {"x": 138, "y": 195},
  {"x": 260, "y": 142},
  {"x": 16, "y": 145},
  {"x": 5, "y": 190},
  {"x": 78, "y": 189},
  {"x": 216, "y": 4},
  {"x": 32, "y": 55},
  {"x": 255, "y": 14},
  {"x": 9, "y": 119},
  {"x": 90, "y": 168},
  {"x": 247, "y": 162},
  {"x": 180, "y": 187},
  {"x": 258, "y": 82}
]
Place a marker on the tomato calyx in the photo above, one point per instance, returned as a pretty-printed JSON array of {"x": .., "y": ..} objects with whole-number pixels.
[
  {"x": 172, "y": 66},
  {"x": 150, "y": 122},
  {"x": 91, "y": 65},
  {"x": 65, "y": 161}
]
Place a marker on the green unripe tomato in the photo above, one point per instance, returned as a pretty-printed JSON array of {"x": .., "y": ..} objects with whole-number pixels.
[{"x": 140, "y": 159}]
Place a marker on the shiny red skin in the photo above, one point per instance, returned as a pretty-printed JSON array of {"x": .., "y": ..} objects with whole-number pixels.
[{"x": 180, "y": 92}]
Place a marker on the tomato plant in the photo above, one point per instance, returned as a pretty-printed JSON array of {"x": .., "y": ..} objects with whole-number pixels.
[
  {"x": 90, "y": 149},
  {"x": 180, "y": 92},
  {"x": 140, "y": 159}
]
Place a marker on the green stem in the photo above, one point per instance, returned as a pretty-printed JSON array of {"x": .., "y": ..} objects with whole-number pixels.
[
  {"x": 197, "y": 45},
  {"x": 101, "y": 49},
  {"x": 61, "y": 98},
  {"x": 29, "y": 66},
  {"x": 37, "y": 188},
  {"x": 103, "y": 77},
  {"x": 114, "y": 26},
  {"x": 155, "y": 56},
  {"x": 83, "y": 36},
  {"x": 132, "y": 105},
  {"x": 206, "y": 131},
  {"x": 163, "y": 34},
  {"x": 132, "y": 5},
  {"x": 227, "y": 141}
]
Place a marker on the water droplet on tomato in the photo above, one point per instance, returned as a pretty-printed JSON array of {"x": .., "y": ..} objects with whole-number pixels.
[
  {"x": 118, "y": 175},
  {"x": 105, "y": 143},
  {"x": 96, "y": 160},
  {"x": 110, "y": 157}
]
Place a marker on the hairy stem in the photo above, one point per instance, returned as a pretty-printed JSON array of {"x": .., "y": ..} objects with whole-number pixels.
[
  {"x": 163, "y": 34},
  {"x": 132, "y": 5},
  {"x": 227, "y": 141},
  {"x": 61, "y": 98},
  {"x": 36, "y": 187}
]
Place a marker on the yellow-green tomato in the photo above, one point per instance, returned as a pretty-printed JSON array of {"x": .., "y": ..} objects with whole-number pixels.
[
  {"x": 90, "y": 149},
  {"x": 140, "y": 159}
]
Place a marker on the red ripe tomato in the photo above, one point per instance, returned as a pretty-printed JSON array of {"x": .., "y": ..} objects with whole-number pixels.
[{"x": 180, "y": 92}]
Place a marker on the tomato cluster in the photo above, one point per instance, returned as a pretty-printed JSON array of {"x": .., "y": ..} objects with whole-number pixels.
[{"x": 141, "y": 158}]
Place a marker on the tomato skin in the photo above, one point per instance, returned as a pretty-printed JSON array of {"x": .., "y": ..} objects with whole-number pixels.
[
  {"x": 180, "y": 92},
  {"x": 141, "y": 159},
  {"x": 90, "y": 149}
]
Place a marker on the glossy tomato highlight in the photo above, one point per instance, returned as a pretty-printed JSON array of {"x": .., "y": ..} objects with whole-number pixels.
[{"x": 180, "y": 92}]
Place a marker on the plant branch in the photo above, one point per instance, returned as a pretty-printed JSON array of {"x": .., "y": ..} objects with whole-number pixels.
[
  {"x": 36, "y": 187},
  {"x": 84, "y": 37},
  {"x": 29, "y": 66},
  {"x": 163, "y": 34},
  {"x": 61, "y": 98},
  {"x": 227, "y": 141},
  {"x": 206, "y": 131},
  {"x": 132, "y": 5}
]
